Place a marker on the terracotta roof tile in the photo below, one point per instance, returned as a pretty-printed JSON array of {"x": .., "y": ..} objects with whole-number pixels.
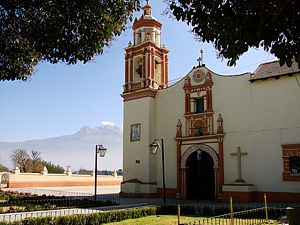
[{"x": 273, "y": 69}]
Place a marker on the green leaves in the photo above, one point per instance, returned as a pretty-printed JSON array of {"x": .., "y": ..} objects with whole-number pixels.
[
  {"x": 235, "y": 26},
  {"x": 57, "y": 31}
]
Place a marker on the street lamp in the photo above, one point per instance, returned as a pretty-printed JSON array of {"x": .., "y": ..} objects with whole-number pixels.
[
  {"x": 153, "y": 148},
  {"x": 101, "y": 151}
]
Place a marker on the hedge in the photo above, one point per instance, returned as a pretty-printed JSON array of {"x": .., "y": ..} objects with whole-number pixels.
[{"x": 92, "y": 219}]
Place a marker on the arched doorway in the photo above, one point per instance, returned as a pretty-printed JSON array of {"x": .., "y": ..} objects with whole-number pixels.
[
  {"x": 199, "y": 173},
  {"x": 200, "y": 176}
]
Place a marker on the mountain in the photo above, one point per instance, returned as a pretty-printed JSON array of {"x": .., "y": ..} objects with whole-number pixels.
[{"x": 76, "y": 150}]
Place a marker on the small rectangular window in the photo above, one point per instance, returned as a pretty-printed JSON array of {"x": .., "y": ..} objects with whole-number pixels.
[
  {"x": 295, "y": 165},
  {"x": 199, "y": 105}
]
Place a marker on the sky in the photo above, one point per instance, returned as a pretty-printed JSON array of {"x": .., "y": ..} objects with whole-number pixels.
[{"x": 60, "y": 99}]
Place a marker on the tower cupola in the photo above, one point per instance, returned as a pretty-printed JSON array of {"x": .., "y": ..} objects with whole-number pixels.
[{"x": 146, "y": 59}]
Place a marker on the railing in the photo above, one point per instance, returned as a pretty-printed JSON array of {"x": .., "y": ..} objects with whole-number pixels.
[
  {"x": 114, "y": 198},
  {"x": 65, "y": 202},
  {"x": 213, "y": 206},
  {"x": 251, "y": 217},
  {"x": 51, "y": 192}
]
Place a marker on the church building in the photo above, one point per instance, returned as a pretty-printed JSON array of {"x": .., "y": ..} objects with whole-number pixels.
[{"x": 216, "y": 136}]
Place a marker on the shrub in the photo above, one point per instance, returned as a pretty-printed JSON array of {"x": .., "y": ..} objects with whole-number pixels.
[{"x": 92, "y": 219}]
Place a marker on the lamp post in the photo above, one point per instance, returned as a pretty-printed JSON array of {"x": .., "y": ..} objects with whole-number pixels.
[
  {"x": 153, "y": 147},
  {"x": 101, "y": 151}
]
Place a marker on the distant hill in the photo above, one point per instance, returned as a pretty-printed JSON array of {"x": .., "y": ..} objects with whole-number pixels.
[{"x": 76, "y": 150}]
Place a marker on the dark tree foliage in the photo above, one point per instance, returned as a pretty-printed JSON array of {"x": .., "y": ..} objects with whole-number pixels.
[
  {"x": 53, "y": 168},
  {"x": 234, "y": 26},
  {"x": 57, "y": 31},
  {"x": 32, "y": 163},
  {"x": 3, "y": 168}
]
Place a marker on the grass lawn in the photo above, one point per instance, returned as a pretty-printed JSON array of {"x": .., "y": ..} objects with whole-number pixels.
[
  {"x": 156, "y": 220},
  {"x": 167, "y": 220}
]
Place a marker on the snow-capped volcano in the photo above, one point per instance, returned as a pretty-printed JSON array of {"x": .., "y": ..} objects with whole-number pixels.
[{"x": 76, "y": 150}]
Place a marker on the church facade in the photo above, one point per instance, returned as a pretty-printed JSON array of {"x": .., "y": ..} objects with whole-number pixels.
[{"x": 221, "y": 136}]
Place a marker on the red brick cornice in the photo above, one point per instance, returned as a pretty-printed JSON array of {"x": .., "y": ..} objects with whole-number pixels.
[
  {"x": 146, "y": 44},
  {"x": 206, "y": 137},
  {"x": 139, "y": 94},
  {"x": 146, "y": 23},
  {"x": 291, "y": 146},
  {"x": 136, "y": 181}
]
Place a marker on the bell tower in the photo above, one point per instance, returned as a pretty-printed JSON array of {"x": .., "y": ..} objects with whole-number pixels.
[
  {"x": 146, "y": 59},
  {"x": 146, "y": 71}
]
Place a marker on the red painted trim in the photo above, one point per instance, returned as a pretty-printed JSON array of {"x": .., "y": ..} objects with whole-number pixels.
[
  {"x": 139, "y": 94},
  {"x": 206, "y": 137},
  {"x": 259, "y": 196},
  {"x": 131, "y": 69},
  {"x": 170, "y": 192},
  {"x": 146, "y": 23},
  {"x": 288, "y": 151},
  {"x": 126, "y": 71},
  {"x": 167, "y": 70},
  {"x": 18, "y": 184},
  {"x": 148, "y": 64},
  {"x": 137, "y": 181},
  {"x": 209, "y": 100},
  {"x": 221, "y": 167},
  {"x": 138, "y": 195},
  {"x": 178, "y": 157},
  {"x": 152, "y": 64},
  {"x": 162, "y": 67},
  {"x": 144, "y": 64},
  {"x": 198, "y": 115}
]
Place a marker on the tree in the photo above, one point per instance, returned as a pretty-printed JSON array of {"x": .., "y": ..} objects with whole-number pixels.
[
  {"x": 19, "y": 158},
  {"x": 53, "y": 168},
  {"x": 3, "y": 168},
  {"x": 235, "y": 26},
  {"x": 57, "y": 30},
  {"x": 32, "y": 163}
]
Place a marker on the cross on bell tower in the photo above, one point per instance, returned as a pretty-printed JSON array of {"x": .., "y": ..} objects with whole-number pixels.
[{"x": 146, "y": 59}]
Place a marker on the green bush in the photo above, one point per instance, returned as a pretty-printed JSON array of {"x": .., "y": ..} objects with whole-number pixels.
[{"x": 92, "y": 219}]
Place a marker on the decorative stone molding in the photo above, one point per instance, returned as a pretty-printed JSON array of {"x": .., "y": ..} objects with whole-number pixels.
[
  {"x": 45, "y": 171},
  {"x": 16, "y": 170},
  {"x": 201, "y": 147},
  {"x": 220, "y": 125},
  {"x": 288, "y": 151},
  {"x": 179, "y": 131},
  {"x": 69, "y": 171}
]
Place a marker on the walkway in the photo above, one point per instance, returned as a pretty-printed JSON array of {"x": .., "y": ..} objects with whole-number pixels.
[{"x": 112, "y": 191}]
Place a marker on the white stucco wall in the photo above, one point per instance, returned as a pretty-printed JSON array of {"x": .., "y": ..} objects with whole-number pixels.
[
  {"x": 169, "y": 108},
  {"x": 139, "y": 111},
  {"x": 259, "y": 117}
]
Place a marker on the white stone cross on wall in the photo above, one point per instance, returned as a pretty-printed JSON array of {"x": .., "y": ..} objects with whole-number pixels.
[{"x": 239, "y": 155}]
